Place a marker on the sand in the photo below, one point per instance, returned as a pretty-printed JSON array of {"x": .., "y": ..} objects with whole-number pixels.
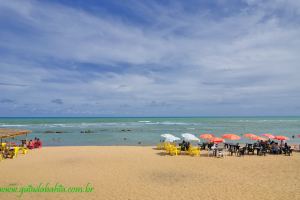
[{"x": 145, "y": 173}]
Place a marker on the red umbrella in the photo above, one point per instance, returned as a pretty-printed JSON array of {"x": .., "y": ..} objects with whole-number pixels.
[
  {"x": 281, "y": 137},
  {"x": 268, "y": 135},
  {"x": 217, "y": 140},
  {"x": 254, "y": 137},
  {"x": 250, "y": 135},
  {"x": 231, "y": 136},
  {"x": 207, "y": 136},
  {"x": 260, "y": 138}
]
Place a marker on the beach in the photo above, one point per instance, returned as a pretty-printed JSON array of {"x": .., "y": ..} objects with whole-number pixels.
[{"x": 132, "y": 172}]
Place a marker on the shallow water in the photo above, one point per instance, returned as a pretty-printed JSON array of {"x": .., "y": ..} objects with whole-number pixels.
[{"x": 146, "y": 131}]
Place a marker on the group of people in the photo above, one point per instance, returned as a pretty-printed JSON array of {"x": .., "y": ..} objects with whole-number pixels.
[
  {"x": 279, "y": 149},
  {"x": 262, "y": 147},
  {"x": 31, "y": 144},
  {"x": 184, "y": 145}
]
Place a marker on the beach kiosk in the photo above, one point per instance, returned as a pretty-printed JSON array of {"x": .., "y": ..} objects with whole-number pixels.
[{"x": 11, "y": 133}]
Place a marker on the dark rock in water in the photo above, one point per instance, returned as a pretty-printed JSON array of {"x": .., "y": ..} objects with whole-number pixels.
[
  {"x": 139, "y": 142},
  {"x": 124, "y": 138},
  {"x": 59, "y": 132},
  {"x": 124, "y": 130},
  {"x": 49, "y": 131},
  {"x": 86, "y": 131}
]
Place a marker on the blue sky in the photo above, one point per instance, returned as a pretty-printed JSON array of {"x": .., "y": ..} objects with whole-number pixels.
[{"x": 149, "y": 58}]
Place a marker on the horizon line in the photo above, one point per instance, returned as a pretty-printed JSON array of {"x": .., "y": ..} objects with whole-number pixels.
[{"x": 220, "y": 116}]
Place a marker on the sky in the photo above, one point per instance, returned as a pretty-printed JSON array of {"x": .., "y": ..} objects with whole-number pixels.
[{"x": 149, "y": 58}]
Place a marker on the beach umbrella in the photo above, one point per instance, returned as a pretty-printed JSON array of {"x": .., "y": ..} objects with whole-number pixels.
[
  {"x": 231, "y": 137},
  {"x": 206, "y": 136},
  {"x": 172, "y": 139},
  {"x": 250, "y": 135},
  {"x": 260, "y": 138},
  {"x": 217, "y": 140},
  {"x": 268, "y": 135},
  {"x": 281, "y": 137},
  {"x": 190, "y": 137},
  {"x": 167, "y": 135},
  {"x": 257, "y": 138}
]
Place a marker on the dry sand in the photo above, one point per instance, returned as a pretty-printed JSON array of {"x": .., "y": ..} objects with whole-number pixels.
[{"x": 146, "y": 173}]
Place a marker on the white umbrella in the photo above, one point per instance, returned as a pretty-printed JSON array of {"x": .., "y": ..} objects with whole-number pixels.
[
  {"x": 167, "y": 135},
  {"x": 172, "y": 139},
  {"x": 190, "y": 137}
]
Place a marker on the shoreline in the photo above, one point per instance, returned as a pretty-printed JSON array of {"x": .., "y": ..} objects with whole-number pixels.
[{"x": 295, "y": 145}]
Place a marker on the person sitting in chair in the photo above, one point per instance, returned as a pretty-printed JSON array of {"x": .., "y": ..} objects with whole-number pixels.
[
  {"x": 275, "y": 148},
  {"x": 183, "y": 145},
  {"x": 30, "y": 144},
  {"x": 38, "y": 143},
  {"x": 287, "y": 149},
  {"x": 187, "y": 146}
]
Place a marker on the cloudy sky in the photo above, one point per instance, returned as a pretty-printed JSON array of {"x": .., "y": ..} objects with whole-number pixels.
[{"x": 149, "y": 58}]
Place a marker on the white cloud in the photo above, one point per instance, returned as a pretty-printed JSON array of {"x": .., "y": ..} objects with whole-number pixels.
[{"x": 244, "y": 62}]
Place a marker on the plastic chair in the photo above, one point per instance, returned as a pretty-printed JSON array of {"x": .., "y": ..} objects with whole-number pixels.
[
  {"x": 194, "y": 151},
  {"x": 24, "y": 150},
  {"x": 174, "y": 150},
  {"x": 220, "y": 153},
  {"x": 160, "y": 145},
  {"x": 168, "y": 147},
  {"x": 15, "y": 152}
]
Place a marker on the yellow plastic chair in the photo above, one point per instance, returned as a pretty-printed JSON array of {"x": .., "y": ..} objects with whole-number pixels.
[
  {"x": 24, "y": 150},
  {"x": 168, "y": 147},
  {"x": 175, "y": 150},
  {"x": 161, "y": 145},
  {"x": 194, "y": 151},
  {"x": 14, "y": 152},
  {"x": 3, "y": 145}
]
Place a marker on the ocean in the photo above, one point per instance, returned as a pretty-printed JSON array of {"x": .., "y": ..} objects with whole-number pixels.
[{"x": 66, "y": 131}]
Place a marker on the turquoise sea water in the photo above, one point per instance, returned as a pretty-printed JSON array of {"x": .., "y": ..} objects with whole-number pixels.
[{"x": 146, "y": 131}]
